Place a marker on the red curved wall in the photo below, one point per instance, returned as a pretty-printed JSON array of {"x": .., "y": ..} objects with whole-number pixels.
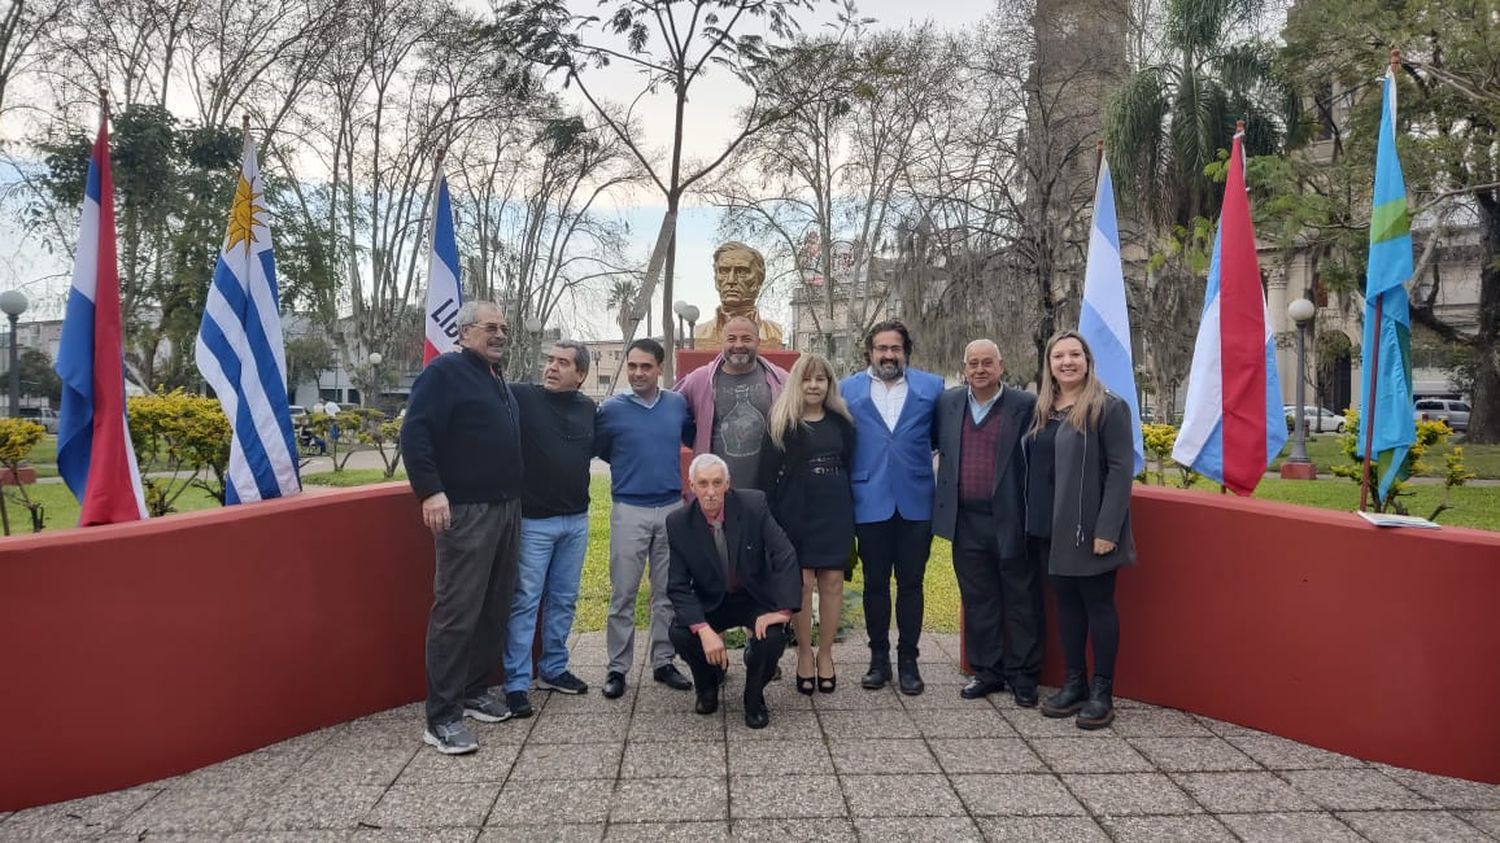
[
  {"x": 1378, "y": 643},
  {"x": 134, "y": 652},
  {"x": 138, "y": 651}
]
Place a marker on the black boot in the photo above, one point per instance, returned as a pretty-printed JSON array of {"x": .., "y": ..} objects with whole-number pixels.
[
  {"x": 1074, "y": 693},
  {"x": 880, "y": 672},
  {"x": 1099, "y": 711}
]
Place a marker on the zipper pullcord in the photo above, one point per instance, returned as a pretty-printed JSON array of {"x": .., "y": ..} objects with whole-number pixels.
[{"x": 1078, "y": 536}]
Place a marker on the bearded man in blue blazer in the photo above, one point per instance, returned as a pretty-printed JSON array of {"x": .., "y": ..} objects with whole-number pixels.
[{"x": 893, "y": 482}]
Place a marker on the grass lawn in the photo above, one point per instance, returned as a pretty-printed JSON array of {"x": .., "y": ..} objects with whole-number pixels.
[
  {"x": 1324, "y": 450},
  {"x": 593, "y": 593},
  {"x": 1477, "y": 507}
]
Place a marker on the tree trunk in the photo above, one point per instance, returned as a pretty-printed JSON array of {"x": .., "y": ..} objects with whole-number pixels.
[{"x": 1484, "y": 422}]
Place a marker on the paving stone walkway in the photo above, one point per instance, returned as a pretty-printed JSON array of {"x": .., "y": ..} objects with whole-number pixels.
[{"x": 853, "y": 765}]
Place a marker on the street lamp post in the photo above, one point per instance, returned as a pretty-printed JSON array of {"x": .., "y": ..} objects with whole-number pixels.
[
  {"x": 1297, "y": 466},
  {"x": 13, "y": 303},
  {"x": 533, "y": 325},
  {"x": 685, "y": 313},
  {"x": 375, "y": 361}
]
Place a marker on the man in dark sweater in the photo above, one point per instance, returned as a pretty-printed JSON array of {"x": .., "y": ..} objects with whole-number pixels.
[
  {"x": 462, "y": 447},
  {"x": 640, "y": 433},
  {"x": 557, "y": 434}
]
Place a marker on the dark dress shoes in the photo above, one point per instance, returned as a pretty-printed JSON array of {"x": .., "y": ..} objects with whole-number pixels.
[
  {"x": 910, "y": 678},
  {"x": 1025, "y": 695},
  {"x": 980, "y": 687},
  {"x": 707, "y": 703},
  {"x": 614, "y": 685},
  {"x": 669, "y": 675},
  {"x": 878, "y": 676},
  {"x": 756, "y": 714}
]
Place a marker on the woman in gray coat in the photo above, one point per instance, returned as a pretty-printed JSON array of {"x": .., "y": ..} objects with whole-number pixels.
[{"x": 1079, "y": 462}]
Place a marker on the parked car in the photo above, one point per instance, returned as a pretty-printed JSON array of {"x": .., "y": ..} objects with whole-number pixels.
[
  {"x": 1455, "y": 413},
  {"x": 1311, "y": 417},
  {"x": 44, "y": 416}
]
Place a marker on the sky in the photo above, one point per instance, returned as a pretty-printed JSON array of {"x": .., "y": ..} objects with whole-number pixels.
[
  {"x": 24, "y": 264},
  {"x": 711, "y": 124}
]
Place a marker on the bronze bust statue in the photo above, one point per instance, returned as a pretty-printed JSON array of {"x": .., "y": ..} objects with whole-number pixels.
[{"x": 739, "y": 273}]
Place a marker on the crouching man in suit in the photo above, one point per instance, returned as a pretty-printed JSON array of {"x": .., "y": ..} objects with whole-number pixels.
[{"x": 731, "y": 565}]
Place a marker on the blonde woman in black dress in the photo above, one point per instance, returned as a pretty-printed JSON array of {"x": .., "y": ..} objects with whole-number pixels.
[{"x": 805, "y": 467}]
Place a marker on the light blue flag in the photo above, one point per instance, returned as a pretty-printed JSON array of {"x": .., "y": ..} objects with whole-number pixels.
[
  {"x": 1390, "y": 265},
  {"x": 1104, "y": 320}
]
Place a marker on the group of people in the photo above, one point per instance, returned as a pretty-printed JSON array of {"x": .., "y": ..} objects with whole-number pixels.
[{"x": 794, "y": 476}]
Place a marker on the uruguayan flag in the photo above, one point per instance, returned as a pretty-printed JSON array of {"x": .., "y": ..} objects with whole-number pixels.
[
  {"x": 1104, "y": 320},
  {"x": 240, "y": 350}
]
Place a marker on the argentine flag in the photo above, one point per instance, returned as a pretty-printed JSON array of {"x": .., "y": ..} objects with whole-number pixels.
[
  {"x": 1105, "y": 319},
  {"x": 1233, "y": 424},
  {"x": 1389, "y": 380},
  {"x": 94, "y": 453},
  {"x": 440, "y": 323},
  {"x": 241, "y": 353}
]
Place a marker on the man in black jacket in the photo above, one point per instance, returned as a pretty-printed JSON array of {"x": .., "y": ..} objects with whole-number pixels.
[
  {"x": 731, "y": 565},
  {"x": 980, "y": 507},
  {"x": 462, "y": 448}
]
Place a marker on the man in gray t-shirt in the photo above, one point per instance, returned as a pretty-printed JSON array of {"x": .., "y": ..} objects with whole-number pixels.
[{"x": 742, "y": 402}]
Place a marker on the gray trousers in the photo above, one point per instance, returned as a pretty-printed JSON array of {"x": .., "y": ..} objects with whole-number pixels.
[
  {"x": 638, "y": 536},
  {"x": 472, "y": 587}
]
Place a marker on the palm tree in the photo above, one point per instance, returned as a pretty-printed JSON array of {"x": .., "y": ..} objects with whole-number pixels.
[
  {"x": 621, "y": 298},
  {"x": 1168, "y": 121}
]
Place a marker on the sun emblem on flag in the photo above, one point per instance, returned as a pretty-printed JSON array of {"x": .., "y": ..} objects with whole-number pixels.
[{"x": 244, "y": 215}]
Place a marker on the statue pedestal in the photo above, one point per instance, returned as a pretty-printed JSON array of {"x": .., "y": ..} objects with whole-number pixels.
[{"x": 688, "y": 359}]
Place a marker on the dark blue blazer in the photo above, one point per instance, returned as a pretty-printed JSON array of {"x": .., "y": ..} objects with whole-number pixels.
[{"x": 892, "y": 470}]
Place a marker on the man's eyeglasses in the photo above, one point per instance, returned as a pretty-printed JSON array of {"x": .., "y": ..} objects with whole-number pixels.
[
  {"x": 889, "y": 349},
  {"x": 490, "y": 327}
]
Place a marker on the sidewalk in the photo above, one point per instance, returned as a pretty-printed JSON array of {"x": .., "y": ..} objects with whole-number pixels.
[{"x": 853, "y": 765}]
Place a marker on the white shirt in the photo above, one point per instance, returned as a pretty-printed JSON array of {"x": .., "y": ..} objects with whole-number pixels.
[
  {"x": 888, "y": 397},
  {"x": 977, "y": 410}
]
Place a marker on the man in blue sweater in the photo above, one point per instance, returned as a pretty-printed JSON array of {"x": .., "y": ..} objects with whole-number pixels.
[
  {"x": 639, "y": 433},
  {"x": 462, "y": 447}
]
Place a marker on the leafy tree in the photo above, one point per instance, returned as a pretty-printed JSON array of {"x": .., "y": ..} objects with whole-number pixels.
[
  {"x": 37, "y": 375},
  {"x": 671, "y": 44},
  {"x": 1448, "y": 119},
  {"x": 307, "y": 357}
]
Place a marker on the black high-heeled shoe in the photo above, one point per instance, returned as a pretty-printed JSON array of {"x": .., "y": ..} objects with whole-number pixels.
[
  {"x": 827, "y": 684},
  {"x": 805, "y": 684}
]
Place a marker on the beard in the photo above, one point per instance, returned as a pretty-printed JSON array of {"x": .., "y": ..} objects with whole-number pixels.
[
  {"x": 889, "y": 370},
  {"x": 739, "y": 356}
]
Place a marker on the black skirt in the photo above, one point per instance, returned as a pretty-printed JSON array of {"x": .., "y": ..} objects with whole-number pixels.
[{"x": 816, "y": 507}]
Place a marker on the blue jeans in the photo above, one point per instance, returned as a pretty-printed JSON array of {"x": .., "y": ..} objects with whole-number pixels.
[{"x": 552, "y": 551}]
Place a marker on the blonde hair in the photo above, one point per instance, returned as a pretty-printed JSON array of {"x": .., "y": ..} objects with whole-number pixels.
[
  {"x": 1089, "y": 408},
  {"x": 786, "y": 413}
]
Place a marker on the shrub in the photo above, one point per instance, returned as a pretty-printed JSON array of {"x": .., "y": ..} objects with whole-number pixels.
[
  {"x": 1430, "y": 434},
  {"x": 184, "y": 436},
  {"x": 17, "y": 438},
  {"x": 1159, "y": 440}
]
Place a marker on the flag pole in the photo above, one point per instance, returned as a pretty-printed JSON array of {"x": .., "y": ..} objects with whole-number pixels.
[
  {"x": 1098, "y": 157},
  {"x": 1373, "y": 392}
]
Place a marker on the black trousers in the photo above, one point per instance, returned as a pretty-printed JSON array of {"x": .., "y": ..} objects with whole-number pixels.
[
  {"x": 738, "y": 609},
  {"x": 900, "y": 546},
  {"x": 1001, "y": 601},
  {"x": 1086, "y": 612},
  {"x": 473, "y": 583}
]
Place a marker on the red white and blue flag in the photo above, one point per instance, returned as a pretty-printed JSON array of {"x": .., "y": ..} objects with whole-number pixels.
[
  {"x": 94, "y": 454},
  {"x": 440, "y": 323},
  {"x": 1232, "y": 424}
]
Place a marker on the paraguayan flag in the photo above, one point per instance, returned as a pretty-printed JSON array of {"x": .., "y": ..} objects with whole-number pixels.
[{"x": 240, "y": 349}]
